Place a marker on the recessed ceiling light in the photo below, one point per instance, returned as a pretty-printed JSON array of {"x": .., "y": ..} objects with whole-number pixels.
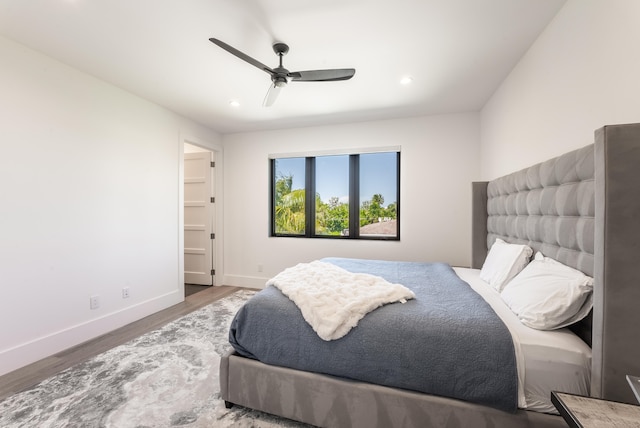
[
  {"x": 406, "y": 80},
  {"x": 234, "y": 103}
]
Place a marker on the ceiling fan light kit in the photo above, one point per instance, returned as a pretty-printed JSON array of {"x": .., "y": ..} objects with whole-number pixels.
[{"x": 280, "y": 76}]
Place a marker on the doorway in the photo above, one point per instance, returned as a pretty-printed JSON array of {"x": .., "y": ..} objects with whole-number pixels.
[{"x": 199, "y": 218}]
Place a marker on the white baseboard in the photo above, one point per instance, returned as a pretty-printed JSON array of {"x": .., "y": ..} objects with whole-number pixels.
[
  {"x": 37, "y": 349},
  {"x": 245, "y": 281}
]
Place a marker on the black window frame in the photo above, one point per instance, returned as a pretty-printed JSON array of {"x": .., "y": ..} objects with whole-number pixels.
[{"x": 354, "y": 199}]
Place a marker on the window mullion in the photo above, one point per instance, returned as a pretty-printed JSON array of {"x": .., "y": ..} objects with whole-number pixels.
[
  {"x": 354, "y": 196},
  {"x": 310, "y": 197},
  {"x": 272, "y": 197}
]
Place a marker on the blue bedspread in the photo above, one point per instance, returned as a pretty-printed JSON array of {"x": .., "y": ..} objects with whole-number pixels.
[{"x": 447, "y": 341}]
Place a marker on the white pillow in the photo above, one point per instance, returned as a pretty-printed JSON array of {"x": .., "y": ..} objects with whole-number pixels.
[
  {"x": 503, "y": 262},
  {"x": 548, "y": 295}
]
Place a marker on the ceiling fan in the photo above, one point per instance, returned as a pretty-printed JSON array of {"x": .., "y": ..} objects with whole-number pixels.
[{"x": 280, "y": 76}]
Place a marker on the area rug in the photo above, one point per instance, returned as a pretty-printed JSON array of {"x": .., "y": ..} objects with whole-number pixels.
[{"x": 165, "y": 378}]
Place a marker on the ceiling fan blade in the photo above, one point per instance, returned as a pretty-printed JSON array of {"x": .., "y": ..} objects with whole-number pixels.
[
  {"x": 323, "y": 75},
  {"x": 242, "y": 55},
  {"x": 272, "y": 95}
]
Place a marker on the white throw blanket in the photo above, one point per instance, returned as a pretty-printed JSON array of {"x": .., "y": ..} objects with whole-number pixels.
[{"x": 332, "y": 299}]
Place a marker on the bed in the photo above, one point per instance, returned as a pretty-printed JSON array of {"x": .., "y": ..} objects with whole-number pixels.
[{"x": 585, "y": 216}]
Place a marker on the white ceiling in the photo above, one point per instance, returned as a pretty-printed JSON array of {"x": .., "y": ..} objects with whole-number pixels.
[{"x": 457, "y": 51}]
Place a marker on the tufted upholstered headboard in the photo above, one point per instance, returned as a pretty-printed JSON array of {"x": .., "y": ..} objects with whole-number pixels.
[
  {"x": 582, "y": 209},
  {"x": 551, "y": 208}
]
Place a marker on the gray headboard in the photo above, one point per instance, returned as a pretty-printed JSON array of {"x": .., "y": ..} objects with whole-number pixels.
[{"x": 582, "y": 209}]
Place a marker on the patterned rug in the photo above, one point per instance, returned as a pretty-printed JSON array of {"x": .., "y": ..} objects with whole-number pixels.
[{"x": 165, "y": 378}]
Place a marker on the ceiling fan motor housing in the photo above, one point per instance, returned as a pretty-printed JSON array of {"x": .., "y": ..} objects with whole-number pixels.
[{"x": 280, "y": 77}]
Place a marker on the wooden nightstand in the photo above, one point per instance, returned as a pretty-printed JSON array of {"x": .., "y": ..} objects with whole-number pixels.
[{"x": 587, "y": 412}]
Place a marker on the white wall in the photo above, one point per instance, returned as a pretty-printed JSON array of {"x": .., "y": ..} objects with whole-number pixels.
[
  {"x": 439, "y": 159},
  {"x": 582, "y": 73},
  {"x": 89, "y": 189}
]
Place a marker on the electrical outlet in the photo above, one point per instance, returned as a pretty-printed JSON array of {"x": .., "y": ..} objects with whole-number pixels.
[
  {"x": 125, "y": 293},
  {"x": 260, "y": 267},
  {"x": 94, "y": 302}
]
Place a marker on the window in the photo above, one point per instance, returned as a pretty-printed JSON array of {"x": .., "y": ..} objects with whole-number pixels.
[
  {"x": 378, "y": 194},
  {"x": 289, "y": 193},
  {"x": 344, "y": 196},
  {"x": 332, "y": 195}
]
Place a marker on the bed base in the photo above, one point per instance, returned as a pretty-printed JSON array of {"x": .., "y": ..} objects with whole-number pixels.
[{"x": 328, "y": 401}]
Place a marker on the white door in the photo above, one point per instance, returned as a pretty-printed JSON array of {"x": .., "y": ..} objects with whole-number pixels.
[{"x": 198, "y": 218}]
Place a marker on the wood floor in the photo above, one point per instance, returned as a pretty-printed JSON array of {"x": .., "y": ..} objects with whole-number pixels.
[{"x": 30, "y": 375}]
